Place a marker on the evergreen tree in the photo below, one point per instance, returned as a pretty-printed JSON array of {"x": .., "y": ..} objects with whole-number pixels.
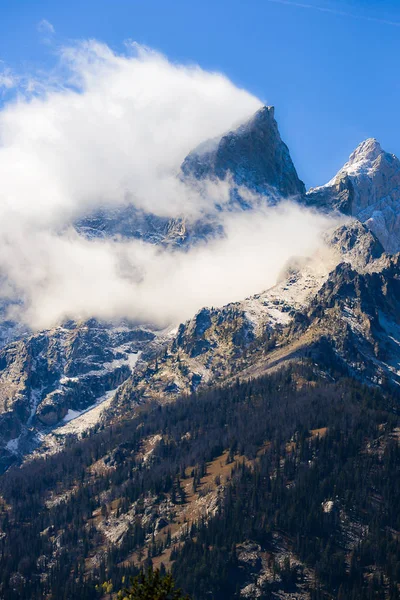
[{"x": 151, "y": 586}]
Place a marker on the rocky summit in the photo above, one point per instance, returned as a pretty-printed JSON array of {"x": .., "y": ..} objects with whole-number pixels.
[
  {"x": 368, "y": 188},
  {"x": 253, "y": 449},
  {"x": 254, "y": 155}
]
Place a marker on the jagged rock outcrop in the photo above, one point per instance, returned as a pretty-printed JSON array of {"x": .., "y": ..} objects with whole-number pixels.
[
  {"x": 355, "y": 244},
  {"x": 132, "y": 223},
  {"x": 350, "y": 325},
  {"x": 203, "y": 349},
  {"x": 353, "y": 321},
  {"x": 254, "y": 155}
]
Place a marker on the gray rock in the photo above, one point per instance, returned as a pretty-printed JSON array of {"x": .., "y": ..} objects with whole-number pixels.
[
  {"x": 367, "y": 187},
  {"x": 254, "y": 155}
]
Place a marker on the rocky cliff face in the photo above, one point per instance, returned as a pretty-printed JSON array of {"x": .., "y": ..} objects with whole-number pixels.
[
  {"x": 54, "y": 375},
  {"x": 356, "y": 315},
  {"x": 254, "y": 155},
  {"x": 368, "y": 188}
]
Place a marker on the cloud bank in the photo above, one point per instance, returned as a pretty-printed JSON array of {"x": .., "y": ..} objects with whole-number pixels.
[{"x": 105, "y": 129}]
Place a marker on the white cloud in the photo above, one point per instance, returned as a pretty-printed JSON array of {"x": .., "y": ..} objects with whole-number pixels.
[
  {"x": 68, "y": 277},
  {"x": 105, "y": 129},
  {"x": 122, "y": 134}
]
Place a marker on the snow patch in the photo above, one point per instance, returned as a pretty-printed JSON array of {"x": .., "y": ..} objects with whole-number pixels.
[
  {"x": 71, "y": 414},
  {"x": 12, "y": 445}
]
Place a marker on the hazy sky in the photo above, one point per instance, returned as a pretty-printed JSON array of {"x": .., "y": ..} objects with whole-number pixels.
[{"x": 329, "y": 67}]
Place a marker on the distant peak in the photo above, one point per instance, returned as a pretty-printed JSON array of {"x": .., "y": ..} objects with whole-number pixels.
[{"x": 369, "y": 150}]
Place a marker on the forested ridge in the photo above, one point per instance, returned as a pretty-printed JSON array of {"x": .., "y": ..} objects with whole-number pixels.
[{"x": 315, "y": 471}]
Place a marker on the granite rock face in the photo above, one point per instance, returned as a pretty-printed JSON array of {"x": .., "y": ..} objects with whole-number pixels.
[
  {"x": 355, "y": 244},
  {"x": 254, "y": 155},
  {"x": 354, "y": 319},
  {"x": 368, "y": 188}
]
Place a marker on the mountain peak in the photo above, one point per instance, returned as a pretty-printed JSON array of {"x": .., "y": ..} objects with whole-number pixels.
[
  {"x": 368, "y": 150},
  {"x": 366, "y": 187},
  {"x": 264, "y": 114},
  {"x": 253, "y": 154}
]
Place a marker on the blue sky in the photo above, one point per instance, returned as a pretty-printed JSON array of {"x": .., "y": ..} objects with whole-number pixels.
[{"x": 331, "y": 68}]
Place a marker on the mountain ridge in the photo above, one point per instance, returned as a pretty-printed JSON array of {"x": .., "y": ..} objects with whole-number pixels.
[
  {"x": 236, "y": 326},
  {"x": 254, "y": 448}
]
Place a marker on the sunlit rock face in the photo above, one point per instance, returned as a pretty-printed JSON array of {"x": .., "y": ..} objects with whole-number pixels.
[{"x": 367, "y": 187}]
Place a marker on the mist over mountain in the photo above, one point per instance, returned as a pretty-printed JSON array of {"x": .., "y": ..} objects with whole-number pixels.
[
  {"x": 199, "y": 358},
  {"x": 129, "y": 261},
  {"x": 95, "y": 176}
]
